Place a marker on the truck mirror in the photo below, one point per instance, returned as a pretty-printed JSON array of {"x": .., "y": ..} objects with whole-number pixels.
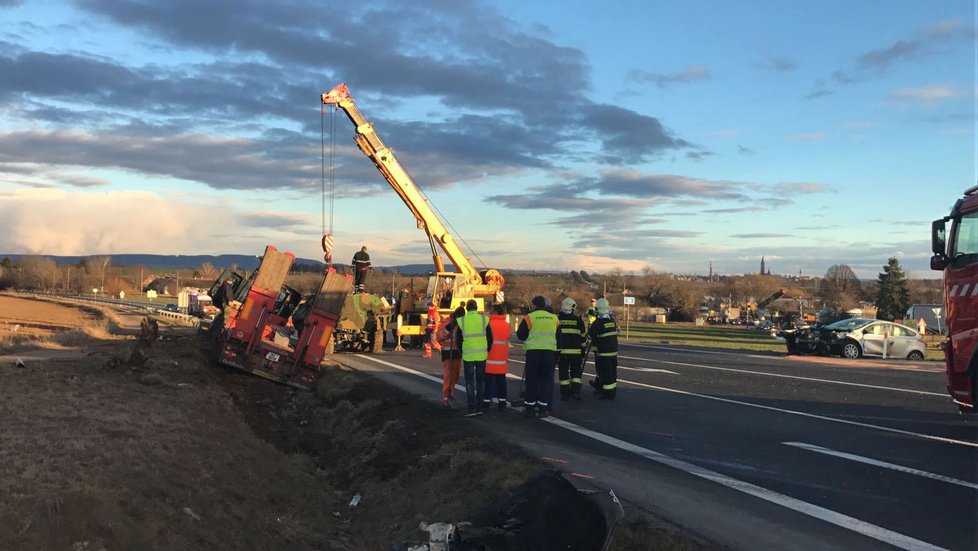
[
  {"x": 938, "y": 243},
  {"x": 938, "y": 262}
]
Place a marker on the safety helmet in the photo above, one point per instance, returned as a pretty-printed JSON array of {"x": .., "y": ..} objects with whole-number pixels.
[
  {"x": 603, "y": 306},
  {"x": 541, "y": 302},
  {"x": 568, "y": 305}
]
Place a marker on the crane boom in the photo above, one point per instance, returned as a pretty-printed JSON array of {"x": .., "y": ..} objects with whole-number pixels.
[{"x": 386, "y": 162}]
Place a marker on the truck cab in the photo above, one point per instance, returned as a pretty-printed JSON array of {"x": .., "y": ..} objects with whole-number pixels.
[{"x": 954, "y": 242}]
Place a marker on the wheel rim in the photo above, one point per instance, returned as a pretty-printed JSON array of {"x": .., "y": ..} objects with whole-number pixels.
[
  {"x": 850, "y": 351},
  {"x": 915, "y": 355}
]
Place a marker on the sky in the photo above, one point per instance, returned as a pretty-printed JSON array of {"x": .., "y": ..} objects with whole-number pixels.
[{"x": 547, "y": 135}]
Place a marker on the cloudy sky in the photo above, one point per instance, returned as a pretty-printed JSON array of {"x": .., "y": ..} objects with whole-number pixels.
[{"x": 548, "y": 135}]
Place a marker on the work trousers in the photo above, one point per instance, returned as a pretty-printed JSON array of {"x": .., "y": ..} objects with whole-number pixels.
[
  {"x": 494, "y": 390},
  {"x": 475, "y": 374},
  {"x": 359, "y": 278},
  {"x": 539, "y": 375},
  {"x": 607, "y": 370},
  {"x": 569, "y": 370},
  {"x": 450, "y": 378}
]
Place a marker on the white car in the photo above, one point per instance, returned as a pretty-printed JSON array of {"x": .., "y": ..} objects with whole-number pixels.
[{"x": 856, "y": 337}]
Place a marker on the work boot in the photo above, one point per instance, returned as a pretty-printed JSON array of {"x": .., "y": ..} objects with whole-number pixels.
[
  {"x": 576, "y": 391},
  {"x": 543, "y": 413},
  {"x": 502, "y": 406},
  {"x": 565, "y": 392},
  {"x": 529, "y": 412}
]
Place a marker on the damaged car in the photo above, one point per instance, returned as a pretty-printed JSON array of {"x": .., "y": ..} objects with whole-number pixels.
[{"x": 857, "y": 337}]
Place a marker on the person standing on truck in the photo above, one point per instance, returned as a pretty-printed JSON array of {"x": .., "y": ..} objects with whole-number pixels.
[
  {"x": 570, "y": 340},
  {"x": 591, "y": 313},
  {"x": 497, "y": 363},
  {"x": 538, "y": 331},
  {"x": 604, "y": 334},
  {"x": 451, "y": 357},
  {"x": 361, "y": 264},
  {"x": 474, "y": 337}
]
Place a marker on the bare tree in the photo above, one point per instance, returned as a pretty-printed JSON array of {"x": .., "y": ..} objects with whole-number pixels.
[
  {"x": 207, "y": 271},
  {"x": 101, "y": 265},
  {"x": 840, "y": 289}
]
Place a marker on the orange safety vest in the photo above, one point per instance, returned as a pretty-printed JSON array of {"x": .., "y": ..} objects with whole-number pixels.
[
  {"x": 498, "y": 361},
  {"x": 446, "y": 338},
  {"x": 432, "y": 318}
]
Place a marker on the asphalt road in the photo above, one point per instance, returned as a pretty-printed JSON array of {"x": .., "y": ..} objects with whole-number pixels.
[{"x": 759, "y": 451}]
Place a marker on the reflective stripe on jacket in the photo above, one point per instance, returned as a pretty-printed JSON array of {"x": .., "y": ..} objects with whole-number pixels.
[
  {"x": 432, "y": 321},
  {"x": 446, "y": 335},
  {"x": 542, "y": 335},
  {"x": 571, "y": 334},
  {"x": 604, "y": 334},
  {"x": 474, "y": 342},
  {"x": 497, "y": 362}
]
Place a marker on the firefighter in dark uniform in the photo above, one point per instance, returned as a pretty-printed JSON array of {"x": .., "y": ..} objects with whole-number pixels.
[
  {"x": 604, "y": 335},
  {"x": 570, "y": 338},
  {"x": 361, "y": 264}
]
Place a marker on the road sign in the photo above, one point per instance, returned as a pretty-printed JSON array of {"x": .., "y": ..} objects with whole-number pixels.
[
  {"x": 629, "y": 300},
  {"x": 937, "y": 312}
]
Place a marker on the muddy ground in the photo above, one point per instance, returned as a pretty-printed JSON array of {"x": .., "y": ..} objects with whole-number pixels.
[
  {"x": 30, "y": 318},
  {"x": 183, "y": 454}
]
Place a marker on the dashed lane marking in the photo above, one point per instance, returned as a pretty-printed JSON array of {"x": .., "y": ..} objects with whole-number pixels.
[
  {"x": 883, "y": 464},
  {"x": 870, "y": 530}
]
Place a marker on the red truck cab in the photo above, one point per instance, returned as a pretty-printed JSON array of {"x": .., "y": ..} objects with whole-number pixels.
[{"x": 955, "y": 249}]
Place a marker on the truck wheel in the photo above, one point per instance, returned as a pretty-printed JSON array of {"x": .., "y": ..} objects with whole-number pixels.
[
  {"x": 915, "y": 356},
  {"x": 851, "y": 350}
]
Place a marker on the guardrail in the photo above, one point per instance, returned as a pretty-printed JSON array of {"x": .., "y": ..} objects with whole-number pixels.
[{"x": 154, "y": 309}]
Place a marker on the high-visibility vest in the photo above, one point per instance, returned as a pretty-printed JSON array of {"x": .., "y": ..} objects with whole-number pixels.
[
  {"x": 432, "y": 319},
  {"x": 497, "y": 362},
  {"x": 542, "y": 334},
  {"x": 474, "y": 342},
  {"x": 445, "y": 337}
]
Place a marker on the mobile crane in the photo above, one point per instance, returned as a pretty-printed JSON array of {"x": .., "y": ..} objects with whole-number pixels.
[{"x": 466, "y": 282}]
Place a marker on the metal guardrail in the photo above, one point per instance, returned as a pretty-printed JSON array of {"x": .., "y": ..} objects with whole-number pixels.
[{"x": 154, "y": 309}]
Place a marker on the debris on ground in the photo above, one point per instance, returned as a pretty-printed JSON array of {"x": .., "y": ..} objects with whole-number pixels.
[{"x": 149, "y": 332}]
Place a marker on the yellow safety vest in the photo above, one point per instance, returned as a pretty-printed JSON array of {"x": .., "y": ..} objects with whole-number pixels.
[
  {"x": 474, "y": 343},
  {"x": 542, "y": 334}
]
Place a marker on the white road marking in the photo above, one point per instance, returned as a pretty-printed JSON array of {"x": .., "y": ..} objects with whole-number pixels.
[
  {"x": 884, "y": 464},
  {"x": 793, "y": 412},
  {"x": 647, "y": 370},
  {"x": 717, "y": 368},
  {"x": 870, "y": 530}
]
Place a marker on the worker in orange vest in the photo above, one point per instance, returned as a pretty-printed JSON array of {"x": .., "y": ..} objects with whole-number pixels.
[
  {"x": 429, "y": 330},
  {"x": 451, "y": 357},
  {"x": 497, "y": 363}
]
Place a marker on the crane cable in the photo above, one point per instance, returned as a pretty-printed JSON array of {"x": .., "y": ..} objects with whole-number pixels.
[{"x": 327, "y": 236}]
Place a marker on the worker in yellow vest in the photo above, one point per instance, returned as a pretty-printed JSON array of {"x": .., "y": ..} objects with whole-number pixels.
[
  {"x": 474, "y": 338},
  {"x": 538, "y": 331}
]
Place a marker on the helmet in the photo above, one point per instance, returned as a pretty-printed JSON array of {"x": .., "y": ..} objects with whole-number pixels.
[
  {"x": 603, "y": 306},
  {"x": 541, "y": 302},
  {"x": 568, "y": 305}
]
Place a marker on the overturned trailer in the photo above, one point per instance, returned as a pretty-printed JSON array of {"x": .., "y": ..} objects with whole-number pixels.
[{"x": 259, "y": 331}]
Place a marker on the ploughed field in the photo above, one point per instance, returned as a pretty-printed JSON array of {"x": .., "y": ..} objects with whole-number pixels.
[{"x": 22, "y": 316}]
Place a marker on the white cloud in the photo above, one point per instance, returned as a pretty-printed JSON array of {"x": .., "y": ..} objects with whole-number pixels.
[
  {"x": 807, "y": 137},
  {"x": 931, "y": 93}
]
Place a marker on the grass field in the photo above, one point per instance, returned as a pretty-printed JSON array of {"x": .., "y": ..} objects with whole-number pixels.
[{"x": 735, "y": 337}]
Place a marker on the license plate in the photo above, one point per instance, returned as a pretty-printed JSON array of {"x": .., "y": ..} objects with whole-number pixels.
[{"x": 272, "y": 357}]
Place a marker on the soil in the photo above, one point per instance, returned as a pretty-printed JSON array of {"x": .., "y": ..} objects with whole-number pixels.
[
  {"x": 184, "y": 454},
  {"x": 21, "y": 316}
]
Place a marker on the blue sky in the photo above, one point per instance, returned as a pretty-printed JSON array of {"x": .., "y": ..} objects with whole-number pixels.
[{"x": 550, "y": 135}]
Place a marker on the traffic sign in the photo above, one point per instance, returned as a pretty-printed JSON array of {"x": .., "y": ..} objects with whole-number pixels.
[{"x": 629, "y": 300}]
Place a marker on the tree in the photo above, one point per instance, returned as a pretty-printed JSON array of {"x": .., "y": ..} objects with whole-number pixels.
[
  {"x": 840, "y": 289},
  {"x": 208, "y": 271},
  {"x": 892, "y": 295},
  {"x": 101, "y": 264}
]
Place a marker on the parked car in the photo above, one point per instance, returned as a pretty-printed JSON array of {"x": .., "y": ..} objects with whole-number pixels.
[
  {"x": 856, "y": 337},
  {"x": 171, "y": 308}
]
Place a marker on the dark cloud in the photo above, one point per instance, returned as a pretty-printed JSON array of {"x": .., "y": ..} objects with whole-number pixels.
[
  {"x": 634, "y": 184},
  {"x": 691, "y": 74},
  {"x": 744, "y": 150},
  {"x": 504, "y": 100},
  {"x": 881, "y": 59},
  {"x": 10, "y": 3}
]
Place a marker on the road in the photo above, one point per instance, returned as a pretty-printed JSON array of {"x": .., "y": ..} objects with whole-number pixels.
[{"x": 759, "y": 451}]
